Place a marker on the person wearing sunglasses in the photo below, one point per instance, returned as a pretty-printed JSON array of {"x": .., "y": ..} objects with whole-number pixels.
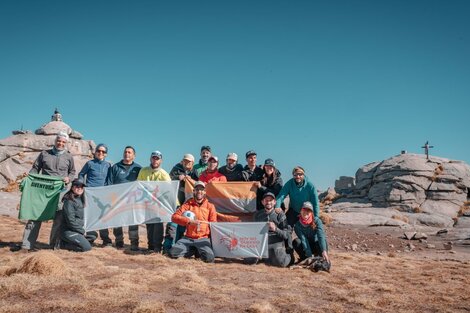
[
  {"x": 299, "y": 189},
  {"x": 95, "y": 172}
]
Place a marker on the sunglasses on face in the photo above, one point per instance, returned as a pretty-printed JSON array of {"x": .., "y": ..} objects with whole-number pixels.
[
  {"x": 101, "y": 151},
  {"x": 298, "y": 175}
]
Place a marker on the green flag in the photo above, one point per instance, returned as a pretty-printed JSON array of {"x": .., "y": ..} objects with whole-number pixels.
[{"x": 39, "y": 197}]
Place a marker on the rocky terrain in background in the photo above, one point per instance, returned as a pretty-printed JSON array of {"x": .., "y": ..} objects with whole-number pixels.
[
  {"x": 405, "y": 190},
  {"x": 18, "y": 152}
]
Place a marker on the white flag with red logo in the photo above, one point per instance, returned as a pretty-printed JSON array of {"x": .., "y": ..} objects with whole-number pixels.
[{"x": 240, "y": 240}]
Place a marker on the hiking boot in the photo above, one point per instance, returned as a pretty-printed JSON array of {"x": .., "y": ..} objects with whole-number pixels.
[
  {"x": 134, "y": 247},
  {"x": 119, "y": 244},
  {"x": 106, "y": 244}
]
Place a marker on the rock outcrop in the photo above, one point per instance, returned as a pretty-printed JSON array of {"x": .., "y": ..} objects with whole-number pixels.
[
  {"x": 18, "y": 152},
  {"x": 409, "y": 188}
]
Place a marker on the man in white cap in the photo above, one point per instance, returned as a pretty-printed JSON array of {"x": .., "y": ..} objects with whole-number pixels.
[
  {"x": 182, "y": 170},
  {"x": 54, "y": 162},
  {"x": 154, "y": 172},
  {"x": 232, "y": 170}
]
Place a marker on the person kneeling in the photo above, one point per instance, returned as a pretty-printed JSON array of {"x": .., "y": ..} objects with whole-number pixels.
[
  {"x": 311, "y": 238},
  {"x": 195, "y": 214},
  {"x": 73, "y": 233},
  {"x": 279, "y": 232}
]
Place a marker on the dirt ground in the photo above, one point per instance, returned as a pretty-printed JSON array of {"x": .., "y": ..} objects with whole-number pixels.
[{"x": 373, "y": 269}]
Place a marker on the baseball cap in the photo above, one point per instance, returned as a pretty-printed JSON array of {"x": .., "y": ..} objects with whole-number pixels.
[
  {"x": 188, "y": 157},
  {"x": 199, "y": 183},
  {"x": 157, "y": 154},
  {"x": 269, "y": 194},
  {"x": 208, "y": 148},
  {"x": 78, "y": 182},
  {"x": 269, "y": 162},
  {"x": 232, "y": 156},
  {"x": 307, "y": 205},
  {"x": 251, "y": 152},
  {"x": 213, "y": 158}
]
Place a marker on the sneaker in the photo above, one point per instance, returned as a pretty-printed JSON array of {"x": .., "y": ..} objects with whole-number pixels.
[{"x": 107, "y": 244}]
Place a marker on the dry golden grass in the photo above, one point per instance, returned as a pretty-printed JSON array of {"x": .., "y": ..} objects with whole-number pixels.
[
  {"x": 400, "y": 218},
  {"x": 109, "y": 280},
  {"x": 326, "y": 218}
]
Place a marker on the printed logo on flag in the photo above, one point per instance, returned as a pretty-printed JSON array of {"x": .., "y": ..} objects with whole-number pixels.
[{"x": 239, "y": 240}]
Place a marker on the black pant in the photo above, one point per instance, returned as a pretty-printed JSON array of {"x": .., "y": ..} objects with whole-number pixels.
[
  {"x": 314, "y": 247},
  {"x": 292, "y": 217},
  {"x": 155, "y": 236},
  {"x": 118, "y": 233}
]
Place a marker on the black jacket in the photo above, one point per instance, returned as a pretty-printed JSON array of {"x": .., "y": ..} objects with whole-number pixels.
[
  {"x": 249, "y": 175},
  {"x": 283, "y": 231},
  {"x": 234, "y": 174},
  {"x": 74, "y": 215}
]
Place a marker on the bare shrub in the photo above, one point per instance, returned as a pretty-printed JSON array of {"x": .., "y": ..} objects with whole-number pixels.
[
  {"x": 400, "y": 218},
  {"x": 325, "y": 218}
]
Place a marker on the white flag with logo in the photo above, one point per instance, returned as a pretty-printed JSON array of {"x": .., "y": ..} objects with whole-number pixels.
[
  {"x": 240, "y": 240},
  {"x": 139, "y": 202}
]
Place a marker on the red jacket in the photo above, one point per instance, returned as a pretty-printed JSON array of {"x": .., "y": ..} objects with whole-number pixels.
[
  {"x": 204, "y": 213},
  {"x": 207, "y": 177}
]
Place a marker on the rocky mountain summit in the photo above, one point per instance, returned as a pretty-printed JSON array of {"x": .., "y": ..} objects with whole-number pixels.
[
  {"x": 407, "y": 189},
  {"x": 18, "y": 152}
]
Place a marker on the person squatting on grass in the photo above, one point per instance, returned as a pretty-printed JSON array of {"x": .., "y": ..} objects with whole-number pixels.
[
  {"x": 73, "y": 231},
  {"x": 195, "y": 214},
  {"x": 279, "y": 233},
  {"x": 311, "y": 239}
]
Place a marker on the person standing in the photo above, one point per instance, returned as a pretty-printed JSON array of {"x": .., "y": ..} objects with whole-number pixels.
[
  {"x": 195, "y": 214},
  {"x": 95, "y": 172},
  {"x": 252, "y": 172},
  {"x": 271, "y": 182},
  {"x": 124, "y": 171},
  {"x": 154, "y": 172},
  {"x": 211, "y": 174},
  {"x": 201, "y": 166},
  {"x": 232, "y": 170},
  {"x": 299, "y": 189},
  {"x": 53, "y": 162},
  {"x": 73, "y": 232},
  {"x": 182, "y": 170}
]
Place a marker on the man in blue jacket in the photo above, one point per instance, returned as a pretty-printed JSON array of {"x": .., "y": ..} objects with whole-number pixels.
[
  {"x": 96, "y": 171},
  {"x": 299, "y": 189},
  {"x": 123, "y": 172}
]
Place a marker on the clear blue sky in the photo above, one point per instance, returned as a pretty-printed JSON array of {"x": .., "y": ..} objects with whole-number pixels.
[{"x": 329, "y": 85}]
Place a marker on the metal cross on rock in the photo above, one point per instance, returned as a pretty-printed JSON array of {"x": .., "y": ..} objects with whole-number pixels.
[{"x": 426, "y": 148}]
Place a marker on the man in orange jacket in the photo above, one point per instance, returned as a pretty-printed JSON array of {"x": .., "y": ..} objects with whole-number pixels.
[{"x": 195, "y": 214}]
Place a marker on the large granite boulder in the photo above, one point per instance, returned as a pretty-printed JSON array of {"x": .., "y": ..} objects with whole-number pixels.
[
  {"x": 18, "y": 152},
  {"x": 426, "y": 191}
]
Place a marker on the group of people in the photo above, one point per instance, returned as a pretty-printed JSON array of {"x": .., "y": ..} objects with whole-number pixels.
[{"x": 188, "y": 233}]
